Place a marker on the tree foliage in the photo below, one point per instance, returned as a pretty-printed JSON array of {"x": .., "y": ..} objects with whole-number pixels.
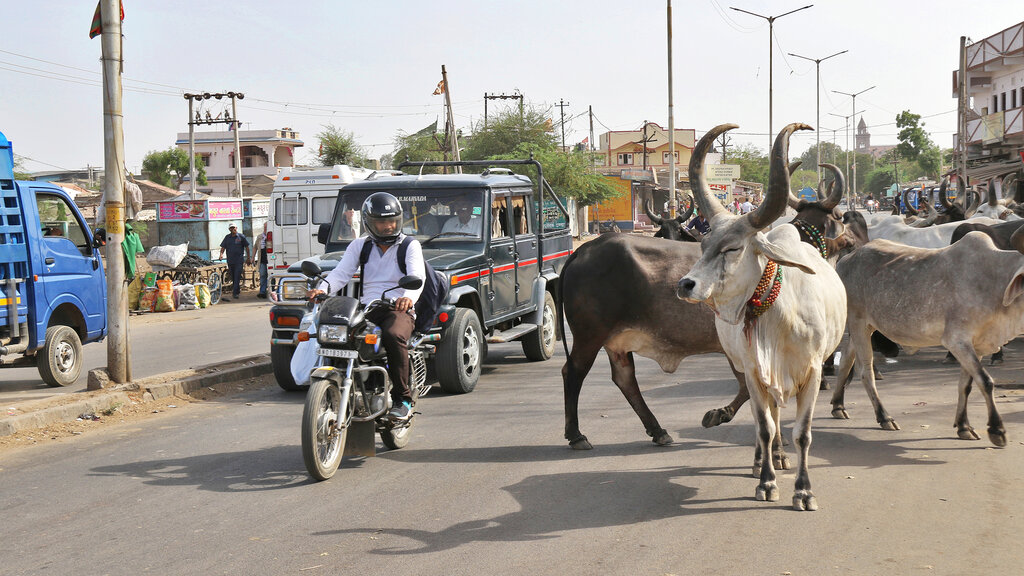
[
  {"x": 913, "y": 139},
  {"x": 19, "y": 170},
  {"x": 339, "y": 147},
  {"x": 830, "y": 154},
  {"x": 421, "y": 146},
  {"x": 752, "y": 161},
  {"x": 170, "y": 167},
  {"x": 508, "y": 131}
]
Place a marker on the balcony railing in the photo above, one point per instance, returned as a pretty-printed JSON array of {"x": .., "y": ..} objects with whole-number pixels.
[{"x": 996, "y": 127}]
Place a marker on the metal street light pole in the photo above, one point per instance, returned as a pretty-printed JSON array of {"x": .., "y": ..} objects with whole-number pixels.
[
  {"x": 817, "y": 93},
  {"x": 853, "y": 179},
  {"x": 846, "y": 139},
  {"x": 771, "y": 21}
]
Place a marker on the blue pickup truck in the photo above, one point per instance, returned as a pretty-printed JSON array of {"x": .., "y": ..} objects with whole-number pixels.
[{"x": 53, "y": 294}]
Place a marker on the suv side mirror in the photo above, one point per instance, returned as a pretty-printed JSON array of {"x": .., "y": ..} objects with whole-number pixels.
[{"x": 323, "y": 233}]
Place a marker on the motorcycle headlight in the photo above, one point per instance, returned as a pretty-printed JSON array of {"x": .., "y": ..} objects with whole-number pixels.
[
  {"x": 294, "y": 289},
  {"x": 333, "y": 334}
]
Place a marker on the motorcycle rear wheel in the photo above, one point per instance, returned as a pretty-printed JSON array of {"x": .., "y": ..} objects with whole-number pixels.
[
  {"x": 322, "y": 443},
  {"x": 396, "y": 438}
]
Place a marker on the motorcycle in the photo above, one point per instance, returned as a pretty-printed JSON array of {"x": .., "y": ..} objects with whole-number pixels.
[{"x": 349, "y": 390}]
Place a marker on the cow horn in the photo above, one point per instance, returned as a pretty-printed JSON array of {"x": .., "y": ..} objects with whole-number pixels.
[
  {"x": 975, "y": 202},
  {"x": 708, "y": 205},
  {"x": 942, "y": 194},
  {"x": 906, "y": 205},
  {"x": 1017, "y": 240},
  {"x": 650, "y": 213},
  {"x": 774, "y": 204},
  {"x": 682, "y": 218},
  {"x": 836, "y": 189}
]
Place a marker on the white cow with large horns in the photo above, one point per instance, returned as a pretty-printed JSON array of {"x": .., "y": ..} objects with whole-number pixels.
[{"x": 780, "y": 308}]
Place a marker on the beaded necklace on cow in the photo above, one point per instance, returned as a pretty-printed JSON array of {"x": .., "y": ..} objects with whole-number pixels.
[
  {"x": 766, "y": 292},
  {"x": 817, "y": 238}
]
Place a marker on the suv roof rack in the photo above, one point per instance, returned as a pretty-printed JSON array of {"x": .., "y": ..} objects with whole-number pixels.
[
  {"x": 495, "y": 170},
  {"x": 380, "y": 173}
]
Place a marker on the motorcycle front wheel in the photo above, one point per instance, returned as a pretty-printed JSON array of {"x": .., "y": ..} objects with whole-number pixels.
[{"x": 322, "y": 442}]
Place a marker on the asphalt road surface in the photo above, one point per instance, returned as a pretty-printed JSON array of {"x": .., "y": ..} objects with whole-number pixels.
[{"x": 488, "y": 485}]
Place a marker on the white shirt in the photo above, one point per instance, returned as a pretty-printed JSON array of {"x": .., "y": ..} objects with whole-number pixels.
[
  {"x": 746, "y": 207},
  {"x": 453, "y": 224},
  {"x": 381, "y": 270}
]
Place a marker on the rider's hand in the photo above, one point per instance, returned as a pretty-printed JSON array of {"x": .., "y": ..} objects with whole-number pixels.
[
  {"x": 403, "y": 304},
  {"x": 314, "y": 293}
]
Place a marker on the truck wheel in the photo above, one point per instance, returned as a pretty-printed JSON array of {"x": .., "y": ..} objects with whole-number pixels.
[
  {"x": 540, "y": 344},
  {"x": 60, "y": 361},
  {"x": 281, "y": 361},
  {"x": 460, "y": 354}
]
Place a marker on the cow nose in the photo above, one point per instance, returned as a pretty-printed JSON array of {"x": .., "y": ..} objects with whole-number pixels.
[{"x": 685, "y": 288}]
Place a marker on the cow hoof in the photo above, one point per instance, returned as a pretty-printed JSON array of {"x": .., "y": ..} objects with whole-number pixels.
[
  {"x": 581, "y": 443},
  {"x": 662, "y": 438},
  {"x": 878, "y": 375},
  {"x": 889, "y": 424},
  {"x": 995, "y": 361},
  {"x": 824, "y": 385},
  {"x": 781, "y": 461},
  {"x": 804, "y": 500},
  {"x": 717, "y": 416},
  {"x": 949, "y": 359},
  {"x": 997, "y": 437},
  {"x": 767, "y": 493},
  {"x": 839, "y": 413},
  {"x": 968, "y": 434}
]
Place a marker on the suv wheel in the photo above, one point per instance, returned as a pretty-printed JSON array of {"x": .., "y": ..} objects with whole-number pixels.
[
  {"x": 540, "y": 344},
  {"x": 281, "y": 361},
  {"x": 460, "y": 354}
]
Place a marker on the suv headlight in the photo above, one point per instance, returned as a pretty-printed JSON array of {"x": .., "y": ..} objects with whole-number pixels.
[
  {"x": 332, "y": 334},
  {"x": 294, "y": 289}
]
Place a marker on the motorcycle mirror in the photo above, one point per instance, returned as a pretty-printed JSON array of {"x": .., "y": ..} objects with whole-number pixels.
[
  {"x": 410, "y": 282},
  {"x": 310, "y": 269}
]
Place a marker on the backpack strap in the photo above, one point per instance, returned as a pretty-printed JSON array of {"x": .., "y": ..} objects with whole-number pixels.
[
  {"x": 364, "y": 256},
  {"x": 403, "y": 248}
]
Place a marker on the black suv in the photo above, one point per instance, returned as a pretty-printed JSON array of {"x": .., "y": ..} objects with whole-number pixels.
[{"x": 498, "y": 237}]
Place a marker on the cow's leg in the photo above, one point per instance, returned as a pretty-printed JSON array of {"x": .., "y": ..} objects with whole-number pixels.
[
  {"x": 803, "y": 498},
  {"x": 725, "y": 414},
  {"x": 973, "y": 370},
  {"x": 997, "y": 358},
  {"x": 624, "y": 376},
  {"x": 843, "y": 377},
  {"x": 760, "y": 405},
  {"x": 576, "y": 368}
]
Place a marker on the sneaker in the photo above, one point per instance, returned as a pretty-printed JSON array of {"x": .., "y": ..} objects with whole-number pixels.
[
  {"x": 261, "y": 295},
  {"x": 400, "y": 411}
]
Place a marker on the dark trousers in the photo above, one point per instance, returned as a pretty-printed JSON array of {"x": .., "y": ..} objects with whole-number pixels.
[
  {"x": 396, "y": 329},
  {"x": 235, "y": 271}
]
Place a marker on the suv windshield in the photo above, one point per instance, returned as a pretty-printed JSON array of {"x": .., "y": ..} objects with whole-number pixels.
[{"x": 437, "y": 215}]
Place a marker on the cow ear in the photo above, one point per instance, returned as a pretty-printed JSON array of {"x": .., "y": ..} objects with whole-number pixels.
[
  {"x": 782, "y": 255},
  {"x": 1015, "y": 288}
]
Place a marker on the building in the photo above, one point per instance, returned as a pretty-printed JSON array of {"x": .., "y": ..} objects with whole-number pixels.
[
  {"x": 262, "y": 153},
  {"x": 995, "y": 90},
  {"x": 863, "y": 142}
]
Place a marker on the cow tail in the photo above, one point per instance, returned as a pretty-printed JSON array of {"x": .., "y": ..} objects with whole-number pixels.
[{"x": 559, "y": 309}]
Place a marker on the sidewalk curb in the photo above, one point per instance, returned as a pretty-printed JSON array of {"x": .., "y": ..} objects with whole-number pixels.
[{"x": 152, "y": 388}]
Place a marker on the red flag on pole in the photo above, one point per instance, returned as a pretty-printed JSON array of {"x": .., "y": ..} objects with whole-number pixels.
[{"x": 97, "y": 21}]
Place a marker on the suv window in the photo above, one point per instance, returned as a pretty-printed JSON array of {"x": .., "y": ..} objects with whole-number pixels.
[{"x": 437, "y": 216}]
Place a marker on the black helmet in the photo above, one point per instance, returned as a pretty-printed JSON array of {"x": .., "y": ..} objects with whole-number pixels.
[{"x": 379, "y": 211}]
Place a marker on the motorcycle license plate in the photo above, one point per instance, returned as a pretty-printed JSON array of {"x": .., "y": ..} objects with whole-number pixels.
[{"x": 336, "y": 353}]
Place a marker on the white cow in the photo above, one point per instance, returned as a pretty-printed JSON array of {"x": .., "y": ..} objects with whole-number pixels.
[{"x": 780, "y": 308}]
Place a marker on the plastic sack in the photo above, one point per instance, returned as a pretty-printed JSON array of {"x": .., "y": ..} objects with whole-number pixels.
[
  {"x": 169, "y": 256},
  {"x": 185, "y": 296},
  {"x": 134, "y": 290},
  {"x": 202, "y": 294},
  {"x": 304, "y": 360},
  {"x": 164, "y": 296},
  {"x": 147, "y": 299}
]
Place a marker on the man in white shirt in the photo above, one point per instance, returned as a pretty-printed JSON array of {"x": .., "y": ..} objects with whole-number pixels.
[
  {"x": 464, "y": 220},
  {"x": 747, "y": 206},
  {"x": 382, "y": 219}
]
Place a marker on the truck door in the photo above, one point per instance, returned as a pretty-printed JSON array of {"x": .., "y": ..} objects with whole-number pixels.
[
  {"x": 524, "y": 235},
  {"x": 70, "y": 265},
  {"x": 501, "y": 259},
  {"x": 291, "y": 215}
]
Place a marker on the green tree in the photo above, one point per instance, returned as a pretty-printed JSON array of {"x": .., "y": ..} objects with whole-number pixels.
[
  {"x": 339, "y": 147},
  {"x": 752, "y": 161},
  {"x": 930, "y": 161},
  {"x": 421, "y": 146},
  {"x": 913, "y": 139},
  {"x": 170, "y": 167},
  {"x": 508, "y": 131},
  {"x": 19, "y": 170},
  {"x": 830, "y": 154},
  {"x": 878, "y": 180}
]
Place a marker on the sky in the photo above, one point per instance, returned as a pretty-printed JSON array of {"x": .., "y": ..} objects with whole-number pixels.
[{"x": 370, "y": 68}]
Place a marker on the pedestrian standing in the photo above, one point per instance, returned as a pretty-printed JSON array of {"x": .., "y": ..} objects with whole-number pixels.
[
  {"x": 237, "y": 248},
  {"x": 260, "y": 259}
]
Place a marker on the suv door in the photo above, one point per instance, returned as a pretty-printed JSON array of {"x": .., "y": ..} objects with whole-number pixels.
[
  {"x": 525, "y": 238},
  {"x": 501, "y": 293},
  {"x": 70, "y": 264}
]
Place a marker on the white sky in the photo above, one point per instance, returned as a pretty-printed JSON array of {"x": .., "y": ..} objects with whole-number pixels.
[{"x": 371, "y": 67}]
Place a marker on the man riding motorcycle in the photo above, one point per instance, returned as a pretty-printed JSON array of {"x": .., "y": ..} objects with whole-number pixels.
[{"x": 382, "y": 218}]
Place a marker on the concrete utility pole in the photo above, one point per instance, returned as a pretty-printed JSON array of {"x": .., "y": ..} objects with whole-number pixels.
[
  {"x": 771, "y": 21},
  {"x": 233, "y": 125},
  {"x": 962, "y": 115},
  {"x": 817, "y": 94},
  {"x": 853, "y": 178},
  {"x": 453, "y": 137},
  {"x": 191, "y": 151},
  {"x": 561, "y": 108},
  {"x": 673, "y": 204},
  {"x": 503, "y": 96},
  {"x": 113, "y": 192},
  {"x": 238, "y": 150}
]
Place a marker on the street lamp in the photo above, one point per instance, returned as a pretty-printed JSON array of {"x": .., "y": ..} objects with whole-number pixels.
[
  {"x": 771, "y": 20},
  {"x": 817, "y": 92},
  {"x": 853, "y": 188}
]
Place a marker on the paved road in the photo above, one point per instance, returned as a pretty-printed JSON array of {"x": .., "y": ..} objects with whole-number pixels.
[
  {"x": 164, "y": 342},
  {"x": 488, "y": 486}
]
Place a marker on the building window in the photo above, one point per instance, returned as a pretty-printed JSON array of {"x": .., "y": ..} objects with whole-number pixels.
[
  {"x": 665, "y": 157},
  {"x": 1002, "y": 104},
  {"x": 206, "y": 159},
  {"x": 625, "y": 159},
  {"x": 1013, "y": 98},
  {"x": 995, "y": 103}
]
